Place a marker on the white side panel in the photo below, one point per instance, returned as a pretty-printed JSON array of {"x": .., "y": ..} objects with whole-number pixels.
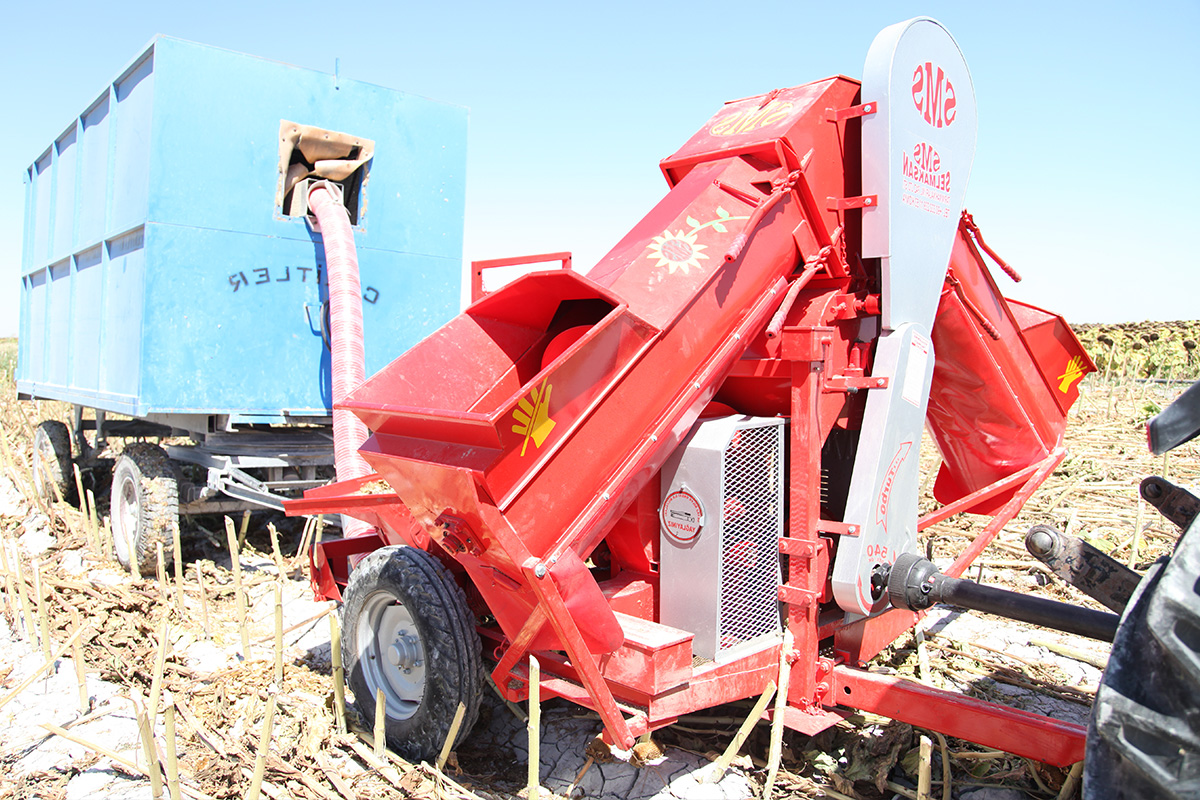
[
  {"x": 917, "y": 154},
  {"x": 882, "y": 501}
]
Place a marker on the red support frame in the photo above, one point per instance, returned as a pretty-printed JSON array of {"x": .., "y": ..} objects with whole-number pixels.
[
  {"x": 477, "y": 267},
  {"x": 564, "y": 624},
  {"x": 1010, "y": 510},
  {"x": 806, "y": 348},
  {"x": 992, "y": 725}
]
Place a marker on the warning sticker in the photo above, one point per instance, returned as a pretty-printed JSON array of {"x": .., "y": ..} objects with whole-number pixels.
[
  {"x": 914, "y": 372},
  {"x": 682, "y": 517}
]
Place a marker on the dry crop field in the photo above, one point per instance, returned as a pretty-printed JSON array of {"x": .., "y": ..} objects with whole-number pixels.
[{"x": 107, "y": 679}]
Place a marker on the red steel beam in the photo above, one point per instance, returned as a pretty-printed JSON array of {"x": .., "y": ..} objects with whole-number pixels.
[
  {"x": 1014, "y": 731},
  {"x": 986, "y": 493},
  {"x": 1007, "y": 512}
]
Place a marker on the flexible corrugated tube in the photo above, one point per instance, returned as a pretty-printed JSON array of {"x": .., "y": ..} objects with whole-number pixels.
[{"x": 348, "y": 363}]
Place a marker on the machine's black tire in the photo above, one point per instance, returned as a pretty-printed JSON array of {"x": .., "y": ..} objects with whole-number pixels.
[
  {"x": 410, "y": 581},
  {"x": 52, "y": 461},
  {"x": 144, "y": 506},
  {"x": 1144, "y": 739}
]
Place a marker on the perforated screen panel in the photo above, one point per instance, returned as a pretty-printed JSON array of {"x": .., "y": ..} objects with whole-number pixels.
[
  {"x": 752, "y": 516},
  {"x": 720, "y": 523}
]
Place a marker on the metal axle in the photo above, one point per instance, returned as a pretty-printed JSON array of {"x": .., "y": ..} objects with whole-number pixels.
[{"x": 915, "y": 583}]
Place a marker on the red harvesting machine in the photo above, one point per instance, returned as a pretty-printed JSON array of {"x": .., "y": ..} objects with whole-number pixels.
[{"x": 701, "y": 458}]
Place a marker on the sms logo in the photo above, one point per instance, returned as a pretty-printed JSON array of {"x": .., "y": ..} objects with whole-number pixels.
[{"x": 933, "y": 95}]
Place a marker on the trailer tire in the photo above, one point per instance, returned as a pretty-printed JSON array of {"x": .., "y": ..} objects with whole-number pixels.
[
  {"x": 52, "y": 461},
  {"x": 144, "y": 506},
  {"x": 406, "y": 629},
  {"x": 1144, "y": 736}
]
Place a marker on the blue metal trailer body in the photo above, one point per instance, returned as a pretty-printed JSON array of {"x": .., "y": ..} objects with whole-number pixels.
[{"x": 160, "y": 275}]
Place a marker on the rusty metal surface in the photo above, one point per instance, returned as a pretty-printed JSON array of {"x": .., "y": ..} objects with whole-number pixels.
[
  {"x": 1174, "y": 502},
  {"x": 1083, "y": 566}
]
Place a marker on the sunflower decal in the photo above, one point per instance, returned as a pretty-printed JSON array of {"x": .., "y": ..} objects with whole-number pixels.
[{"x": 679, "y": 250}]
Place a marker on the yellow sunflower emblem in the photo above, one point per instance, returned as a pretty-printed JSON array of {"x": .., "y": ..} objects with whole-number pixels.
[{"x": 677, "y": 251}]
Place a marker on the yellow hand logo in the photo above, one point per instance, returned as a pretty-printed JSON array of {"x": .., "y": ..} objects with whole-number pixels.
[
  {"x": 1074, "y": 372},
  {"x": 533, "y": 415}
]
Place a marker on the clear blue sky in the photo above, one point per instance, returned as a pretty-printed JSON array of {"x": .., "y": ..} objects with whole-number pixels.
[{"x": 1085, "y": 176}]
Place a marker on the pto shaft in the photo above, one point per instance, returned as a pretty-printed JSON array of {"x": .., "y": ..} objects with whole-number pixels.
[{"x": 915, "y": 583}]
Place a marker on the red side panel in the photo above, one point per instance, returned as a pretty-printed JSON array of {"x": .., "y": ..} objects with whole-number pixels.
[
  {"x": 1056, "y": 350},
  {"x": 1006, "y": 375}
]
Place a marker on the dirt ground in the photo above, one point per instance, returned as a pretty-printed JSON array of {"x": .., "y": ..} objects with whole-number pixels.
[{"x": 169, "y": 655}]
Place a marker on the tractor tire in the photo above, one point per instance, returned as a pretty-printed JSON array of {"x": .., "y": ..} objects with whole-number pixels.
[
  {"x": 144, "y": 506},
  {"x": 1144, "y": 737},
  {"x": 52, "y": 474},
  {"x": 406, "y": 629}
]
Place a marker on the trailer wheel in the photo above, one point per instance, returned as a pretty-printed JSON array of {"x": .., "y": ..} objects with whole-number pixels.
[
  {"x": 52, "y": 461},
  {"x": 1144, "y": 737},
  {"x": 144, "y": 506},
  {"x": 406, "y": 629}
]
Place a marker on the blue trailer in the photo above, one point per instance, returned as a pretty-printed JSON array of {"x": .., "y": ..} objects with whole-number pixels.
[{"x": 170, "y": 275}]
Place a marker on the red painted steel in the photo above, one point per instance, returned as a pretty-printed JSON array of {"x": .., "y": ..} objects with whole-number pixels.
[
  {"x": 522, "y": 442},
  {"x": 1006, "y": 512},
  {"x": 968, "y": 223},
  {"x": 998, "y": 403},
  {"x": 842, "y": 114},
  {"x": 1004, "y": 485},
  {"x": 1031, "y": 735},
  {"x": 363, "y": 499},
  {"x": 479, "y": 267}
]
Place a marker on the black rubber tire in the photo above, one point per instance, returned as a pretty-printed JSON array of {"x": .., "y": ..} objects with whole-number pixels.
[
  {"x": 450, "y": 647},
  {"x": 1144, "y": 739},
  {"x": 144, "y": 506},
  {"x": 52, "y": 461}
]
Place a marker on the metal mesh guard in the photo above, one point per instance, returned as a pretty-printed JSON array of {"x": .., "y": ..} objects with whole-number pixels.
[{"x": 753, "y": 523}]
